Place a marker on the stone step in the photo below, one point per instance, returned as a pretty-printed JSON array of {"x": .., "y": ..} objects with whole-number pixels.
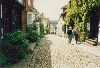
[
  {"x": 93, "y": 40},
  {"x": 85, "y": 43},
  {"x": 90, "y": 42}
]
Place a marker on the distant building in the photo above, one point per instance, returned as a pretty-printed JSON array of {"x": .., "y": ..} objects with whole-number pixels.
[
  {"x": 53, "y": 27},
  {"x": 59, "y": 31},
  {"x": 61, "y": 26}
]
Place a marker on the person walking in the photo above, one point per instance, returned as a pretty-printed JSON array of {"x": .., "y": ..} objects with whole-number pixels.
[
  {"x": 76, "y": 34},
  {"x": 70, "y": 35}
]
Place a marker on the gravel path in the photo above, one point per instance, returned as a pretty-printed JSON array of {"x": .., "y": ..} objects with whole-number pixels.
[
  {"x": 41, "y": 57},
  {"x": 70, "y": 56},
  {"x": 53, "y": 52}
]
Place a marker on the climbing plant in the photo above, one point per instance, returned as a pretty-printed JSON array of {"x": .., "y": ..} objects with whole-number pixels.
[{"x": 79, "y": 10}]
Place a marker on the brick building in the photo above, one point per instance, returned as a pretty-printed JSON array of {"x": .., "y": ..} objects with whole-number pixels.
[{"x": 29, "y": 14}]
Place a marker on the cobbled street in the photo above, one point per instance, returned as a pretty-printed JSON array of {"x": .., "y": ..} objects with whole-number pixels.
[
  {"x": 70, "y": 56},
  {"x": 53, "y": 52}
]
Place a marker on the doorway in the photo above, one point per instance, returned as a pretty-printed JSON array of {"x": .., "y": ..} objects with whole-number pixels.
[
  {"x": 94, "y": 21},
  {"x": 95, "y": 24}
]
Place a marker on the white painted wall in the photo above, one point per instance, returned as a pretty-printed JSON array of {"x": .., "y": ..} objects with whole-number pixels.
[
  {"x": 59, "y": 27},
  {"x": 99, "y": 36},
  {"x": 99, "y": 32}
]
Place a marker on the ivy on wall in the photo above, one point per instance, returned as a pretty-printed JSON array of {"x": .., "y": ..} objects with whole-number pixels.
[{"x": 79, "y": 11}]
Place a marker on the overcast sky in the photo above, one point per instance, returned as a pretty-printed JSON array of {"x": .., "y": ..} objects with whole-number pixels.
[{"x": 50, "y": 8}]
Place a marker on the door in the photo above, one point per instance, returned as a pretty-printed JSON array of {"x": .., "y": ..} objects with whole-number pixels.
[{"x": 94, "y": 21}]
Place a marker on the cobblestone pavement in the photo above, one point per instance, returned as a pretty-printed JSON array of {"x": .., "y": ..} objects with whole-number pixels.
[
  {"x": 41, "y": 57},
  {"x": 53, "y": 52},
  {"x": 70, "y": 56}
]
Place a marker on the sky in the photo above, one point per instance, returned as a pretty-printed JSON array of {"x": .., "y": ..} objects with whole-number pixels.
[{"x": 50, "y": 8}]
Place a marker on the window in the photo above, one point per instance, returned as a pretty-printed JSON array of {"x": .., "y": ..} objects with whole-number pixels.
[
  {"x": 0, "y": 10},
  {"x": 29, "y": 21}
]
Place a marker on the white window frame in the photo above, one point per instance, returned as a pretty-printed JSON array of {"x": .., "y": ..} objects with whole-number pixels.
[
  {"x": 1, "y": 10},
  {"x": 28, "y": 13},
  {"x": 99, "y": 31}
]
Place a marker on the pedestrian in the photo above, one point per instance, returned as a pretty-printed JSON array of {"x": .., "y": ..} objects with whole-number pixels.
[
  {"x": 70, "y": 35},
  {"x": 76, "y": 34}
]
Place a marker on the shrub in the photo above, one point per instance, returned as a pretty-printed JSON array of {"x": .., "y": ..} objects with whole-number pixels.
[
  {"x": 41, "y": 30},
  {"x": 14, "y": 46},
  {"x": 47, "y": 30},
  {"x": 87, "y": 35},
  {"x": 3, "y": 59},
  {"x": 82, "y": 36},
  {"x": 32, "y": 34}
]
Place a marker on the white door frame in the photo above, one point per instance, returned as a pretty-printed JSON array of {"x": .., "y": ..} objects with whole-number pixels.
[{"x": 99, "y": 31}]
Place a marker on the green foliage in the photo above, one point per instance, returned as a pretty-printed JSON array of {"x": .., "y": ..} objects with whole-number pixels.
[
  {"x": 32, "y": 34},
  {"x": 3, "y": 59},
  {"x": 31, "y": 27},
  {"x": 80, "y": 8},
  {"x": 81, "y": 27},
  {"x": 14, "y": 46},
  {"x": 87, "y": 35},
  {"x": 47, "y": 30},
  {"x": 41, "y": 30},
  {"x": 82, "y": 36}
]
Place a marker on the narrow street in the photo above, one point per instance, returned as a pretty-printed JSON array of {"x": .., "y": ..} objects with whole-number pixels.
[
  {"x": 53, "y": 52},
  {"x": 32, "y": 33},
  {"x": 64, "y": 56}
]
